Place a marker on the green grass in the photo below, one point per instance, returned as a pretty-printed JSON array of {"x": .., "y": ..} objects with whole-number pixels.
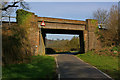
[
  {"x": 40, "y": 67},
  {"x": 107, "y": 64}
]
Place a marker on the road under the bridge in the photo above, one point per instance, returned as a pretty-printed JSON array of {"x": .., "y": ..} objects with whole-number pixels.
[{"x": 61, "y": 31}]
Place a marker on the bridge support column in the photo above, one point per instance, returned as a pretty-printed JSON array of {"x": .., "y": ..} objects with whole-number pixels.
[
  {"x": 91, "y": 26},
  {"x": 44, "y": 37},
  {"x": 41, "y": 44},
  {"x": 86, "y": 40},
  {"x": 81, "y": 37}
]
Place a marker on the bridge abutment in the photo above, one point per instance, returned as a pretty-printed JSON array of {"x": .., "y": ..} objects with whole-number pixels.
[
  {"x": 41, "y": 44},
  {"x": 82, "y": 45},
  {"x": 91, "y": 39}
]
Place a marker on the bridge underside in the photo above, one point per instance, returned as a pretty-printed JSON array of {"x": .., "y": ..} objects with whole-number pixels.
[{"x": 62, "y": 31}]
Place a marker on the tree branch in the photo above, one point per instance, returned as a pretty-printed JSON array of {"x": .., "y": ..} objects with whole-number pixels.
[{"x": 13, "y": 5}]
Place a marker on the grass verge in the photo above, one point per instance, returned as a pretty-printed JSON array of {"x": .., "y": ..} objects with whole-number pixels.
[
  {"x": 40, "y": 67},
  {"x": 107, "y": 64}
]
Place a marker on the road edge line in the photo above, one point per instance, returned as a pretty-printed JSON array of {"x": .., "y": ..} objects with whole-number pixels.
[
  {"x": 56, "y": 62},
  {"x": 95, "y": 68},
  {"x": 57, "y": 66}
]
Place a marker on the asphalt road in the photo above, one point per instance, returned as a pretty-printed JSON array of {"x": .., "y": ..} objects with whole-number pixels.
[{"x": 72, "y": 67}]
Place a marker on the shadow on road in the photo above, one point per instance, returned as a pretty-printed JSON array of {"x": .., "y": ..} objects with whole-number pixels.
[{"x": 52, "y": 51}]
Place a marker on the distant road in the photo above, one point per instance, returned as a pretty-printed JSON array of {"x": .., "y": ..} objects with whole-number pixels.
[{"x": 70, "y": 66}]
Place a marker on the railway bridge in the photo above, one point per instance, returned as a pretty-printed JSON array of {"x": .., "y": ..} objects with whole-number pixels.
[{"x": 85, "y": 30}]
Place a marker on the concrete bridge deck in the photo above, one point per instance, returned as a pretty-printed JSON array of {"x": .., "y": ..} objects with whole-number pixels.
[
  {"x": 58, "y": 20},
  {"x": 56, "y": 23}
]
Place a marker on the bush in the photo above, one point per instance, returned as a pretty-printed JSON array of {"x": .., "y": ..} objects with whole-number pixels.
[
  {"x": 13, "y": 48},
  {"x": 115, "y": 49}
]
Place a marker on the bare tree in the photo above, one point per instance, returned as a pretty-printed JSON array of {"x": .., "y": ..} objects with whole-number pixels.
[
  {"x": 6, "y": 5},
  {"x": 101, "y": 15},
  {"x": 112, "y": 24},
  {"x": 0, "y": 15},
  {"x": 8, "y": 8},
  {"x": 110, "y": 19}
]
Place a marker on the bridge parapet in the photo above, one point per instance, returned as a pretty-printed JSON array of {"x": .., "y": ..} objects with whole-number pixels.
[
  {"x": 55, "y": 23},
  {"x": 57, "y": 20}
]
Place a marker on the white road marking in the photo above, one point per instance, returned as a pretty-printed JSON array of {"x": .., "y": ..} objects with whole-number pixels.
[
  {"x": 94, "y": 67},
  {"x": 56, "y": 62},
  {"x": 58, "y": 76},
  {"x": 57, "y": 68}
]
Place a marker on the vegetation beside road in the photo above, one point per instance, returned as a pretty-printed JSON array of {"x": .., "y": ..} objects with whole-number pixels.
[
  {"x": 104, "y": 62},
  {"x": 39, "y": 67},
  {"x": 64, "y": 45}
]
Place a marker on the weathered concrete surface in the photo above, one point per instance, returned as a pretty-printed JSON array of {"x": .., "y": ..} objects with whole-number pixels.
[
  {"x": 91, "y": 26},
  {"x": 57, "y": 20},
  {"x": 71, "y": 67},
  {"x": 41, "y": 49},
  {"x": 55, "y": 23}
]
